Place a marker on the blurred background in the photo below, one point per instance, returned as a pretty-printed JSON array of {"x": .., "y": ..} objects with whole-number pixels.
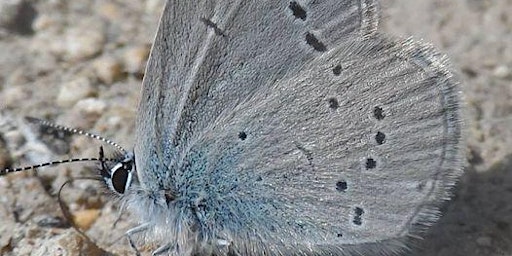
[{"x": 80, "y": 63}]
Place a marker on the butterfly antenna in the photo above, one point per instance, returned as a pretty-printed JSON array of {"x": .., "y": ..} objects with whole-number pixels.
[
  {"x": 6, "y": 171},
  {"x": 75, "y": 131}
]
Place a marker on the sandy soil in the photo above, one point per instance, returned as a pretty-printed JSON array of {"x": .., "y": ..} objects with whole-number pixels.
[{"x": 80, "y": 63}]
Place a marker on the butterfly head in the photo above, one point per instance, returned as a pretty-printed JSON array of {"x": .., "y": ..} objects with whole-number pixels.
[{"x": 118, "y": 175}]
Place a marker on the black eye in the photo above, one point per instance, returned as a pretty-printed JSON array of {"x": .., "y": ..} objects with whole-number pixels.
[{"x": 120, "y": 178}]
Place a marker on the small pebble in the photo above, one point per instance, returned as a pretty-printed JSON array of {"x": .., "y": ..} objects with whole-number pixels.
[
  {"x": 37, "y": 152},
  {"x": 110, "y": 11},
  {"x": 135, "y": 59},
  {"x": 14, "y": 95},
  {"x": 43, "y": 22},
  {"x": 84, "y": 41},
  {"x": 73, "y": 91},
  {"x": 82, "y": 144},
  {"x": 14, "y": 138},
  {"x": 91, "y": 106},
  {"x": 108, "y": 69},
  {"x": 115, "y": 121},
  {"x": 85, "y": 113},
  {"x": 74, "y": 244},
  {"x": 502, "y": 72},
  {"x": 85, "y": 218},
  {"x": 18, "y": 77}
]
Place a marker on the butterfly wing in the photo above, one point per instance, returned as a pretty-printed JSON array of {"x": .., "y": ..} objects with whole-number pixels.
[
  {"x": 209, "y": 56},
  {"x": 280, "y": 130},
  {"x": 349, "y": 156}
]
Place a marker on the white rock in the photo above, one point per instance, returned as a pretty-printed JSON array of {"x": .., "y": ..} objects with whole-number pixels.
[
  {"x": 84, "y": 41},
  {"x": 73, "y": 91},
  {"x": 14, "y": 138},
  {"x": 43, "y": 22},
  {"x": 108, "y": 69},
  {"x": 502, "y": 71},
  {"x": 134, "y": 59},
  {"x": 91, "y": 106},
  {"x": 14, "y": 96}
]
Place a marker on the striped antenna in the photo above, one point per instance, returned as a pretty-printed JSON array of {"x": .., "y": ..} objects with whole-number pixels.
[
  {"x": 6, "y": 171},
  {"x": 75, "y": 131}
]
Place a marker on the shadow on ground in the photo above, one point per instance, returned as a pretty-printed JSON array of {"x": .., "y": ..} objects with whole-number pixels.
[{"x": 479, "y": 219}]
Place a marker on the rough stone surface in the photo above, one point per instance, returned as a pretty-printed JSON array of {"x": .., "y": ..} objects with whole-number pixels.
[{"x": 47, "y": 45}]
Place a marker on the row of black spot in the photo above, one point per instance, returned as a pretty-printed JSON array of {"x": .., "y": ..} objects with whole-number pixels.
[
  {"x": 371, "y": 163},
  {"x": 378, "y": 112}
]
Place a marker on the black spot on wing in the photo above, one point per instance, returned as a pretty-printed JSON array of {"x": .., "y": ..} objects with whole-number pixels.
[
  {"x": 333, "y": 103},
  {"x": 341, "y": 186},
  {"x": 378, "y": 113},
  {"x": 242, "y": 135},
  {"x": 297, "y": 10},
  {"x": 336, "y": 70},
  {"x": 358, "y": 216},
  {"x": 380, "y": 137},
  {"x": 313, "y": 41}
]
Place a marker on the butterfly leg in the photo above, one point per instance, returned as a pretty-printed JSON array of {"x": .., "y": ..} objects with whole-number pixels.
[
  {"x": 135, "y": 230},
  {"x": 162, "y": 249}
]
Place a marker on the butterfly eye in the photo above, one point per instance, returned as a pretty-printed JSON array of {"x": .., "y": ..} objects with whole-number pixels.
[{"x": 121, "y": 177}]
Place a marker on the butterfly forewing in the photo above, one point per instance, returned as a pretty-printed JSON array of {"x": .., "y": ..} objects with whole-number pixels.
[{"x": 210, "y": 56}]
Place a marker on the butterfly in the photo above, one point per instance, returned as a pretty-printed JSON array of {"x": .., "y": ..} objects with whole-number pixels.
[{"x": 288, "y": 128}]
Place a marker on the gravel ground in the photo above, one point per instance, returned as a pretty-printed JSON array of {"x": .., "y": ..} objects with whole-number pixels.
[{"x": 80, "y": 63}]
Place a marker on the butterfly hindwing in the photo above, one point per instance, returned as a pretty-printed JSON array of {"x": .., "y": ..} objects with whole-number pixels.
[{"x": 335, "y": 161}]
